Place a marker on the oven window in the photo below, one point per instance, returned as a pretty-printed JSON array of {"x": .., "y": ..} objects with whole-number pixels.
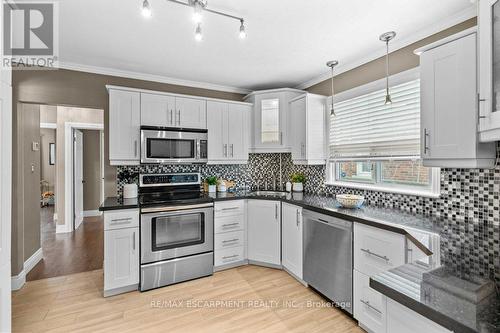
[
  {"x": 176, "y": 231},
  {"x": 170, "y": 148}
]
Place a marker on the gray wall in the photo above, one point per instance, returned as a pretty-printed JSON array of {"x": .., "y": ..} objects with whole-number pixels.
[
  {"x": 91, "y": 170},
  {"x": 48, "y": 172}
]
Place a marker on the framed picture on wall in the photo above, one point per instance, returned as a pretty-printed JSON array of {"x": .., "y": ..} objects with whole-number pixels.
[{"x": 52, "y": 153}]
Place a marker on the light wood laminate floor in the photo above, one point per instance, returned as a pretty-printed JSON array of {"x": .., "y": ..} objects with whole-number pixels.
[{"x": 244, "y": 299}]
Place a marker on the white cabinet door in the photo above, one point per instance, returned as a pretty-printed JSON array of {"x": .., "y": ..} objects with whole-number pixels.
[
  {"x": 124, "y": 127},
  {"x": 401, "y": 319},
  {"x": 217, "y": 130},
  {"x": 237, "y": 131},
  {"x": 264, "y": 231},
  {"x": 190, "y": 113},
  {"x": 157, "y": 110},
  {"x": 298, "y": 117},
  {"x": 448, "y": 92},
  {"x": 489, "y": 69},
  {"x": 370, "y": 306},
  {"x": 291, "y": 236},
  {"x": 121, "y": 258}
]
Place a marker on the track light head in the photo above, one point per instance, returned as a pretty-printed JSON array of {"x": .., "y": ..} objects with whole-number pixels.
[
  {"x": 146, "y": 9},
  {"x": 243, "y": 33}
]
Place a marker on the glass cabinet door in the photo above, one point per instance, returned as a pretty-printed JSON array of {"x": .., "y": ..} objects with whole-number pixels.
[{"x": 270, "y": 121}]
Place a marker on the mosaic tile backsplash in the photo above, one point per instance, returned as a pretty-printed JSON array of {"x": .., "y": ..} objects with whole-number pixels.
[{"x": 469, "y": 202}]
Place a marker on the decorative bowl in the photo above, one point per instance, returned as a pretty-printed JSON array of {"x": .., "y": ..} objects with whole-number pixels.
[{"x": 350, "y": 200}]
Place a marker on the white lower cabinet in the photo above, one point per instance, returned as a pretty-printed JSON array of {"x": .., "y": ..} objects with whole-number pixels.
[
  {"x": 370, "y": 306},
  {"x": 230, "y": 237},
  {"x": 401, "y": 319},
  {"x": 291, "y": 234},
  {"x": 121, "y": 258},
  {"x": 264, "y": 231}
]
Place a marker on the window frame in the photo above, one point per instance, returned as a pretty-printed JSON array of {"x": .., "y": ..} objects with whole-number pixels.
[{"x": 434, "y": 188}]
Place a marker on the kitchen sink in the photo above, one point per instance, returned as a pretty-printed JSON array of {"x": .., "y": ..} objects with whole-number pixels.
[{"x": 269, "y": 193}]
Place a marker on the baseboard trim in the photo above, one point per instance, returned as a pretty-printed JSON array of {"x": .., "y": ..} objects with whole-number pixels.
[
  {"x": 231, "y": 265},
  {"x": 264, "y": 264},
  {"x": 90, "y": 213},
  {"x": 55, "y": 217},
  {"x": 18, "y": 281},
  {"x": 62, "y": 228},
  {"x": 121, "y": 290}
]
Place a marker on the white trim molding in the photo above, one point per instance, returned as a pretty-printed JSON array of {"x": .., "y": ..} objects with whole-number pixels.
[
  {"x": 91, "y": 213},
  {"x": 397, "y": 44},
  {"x": 68, "y": 172},
  {"x": 18, "y": 281},
  {"x": 150, "y": 77},
  {"x": 48, "y": 125}
]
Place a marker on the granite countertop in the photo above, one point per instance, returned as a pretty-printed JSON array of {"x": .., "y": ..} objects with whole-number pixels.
[
  {"x": 116, "y": 203},
  {"x": 453, "y": 297}
]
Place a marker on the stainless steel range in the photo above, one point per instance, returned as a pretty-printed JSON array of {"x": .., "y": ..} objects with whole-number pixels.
[{"x": 177, "y": 228}]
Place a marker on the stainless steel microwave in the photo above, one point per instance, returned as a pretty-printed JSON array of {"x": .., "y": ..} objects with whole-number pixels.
[{"x": 160, "y": 145}]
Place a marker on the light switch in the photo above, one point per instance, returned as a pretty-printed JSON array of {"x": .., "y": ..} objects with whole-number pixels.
[
  {"x": 35, "y": 146},
  {"x": 32, "y": 167}
]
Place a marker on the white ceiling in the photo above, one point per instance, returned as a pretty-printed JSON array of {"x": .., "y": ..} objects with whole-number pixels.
[{"x": 288, "y": 41}]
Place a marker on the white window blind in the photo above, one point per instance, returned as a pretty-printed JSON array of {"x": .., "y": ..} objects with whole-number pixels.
[{"x": 366, "y": 128}]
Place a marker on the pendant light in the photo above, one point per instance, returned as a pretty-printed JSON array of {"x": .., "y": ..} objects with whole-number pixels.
[
  {"x": 197, "y": 34},
  {"x": 146, "y": 9},
  {"x": 332, "y": 64},
  {"x": 386, "y": 38}
]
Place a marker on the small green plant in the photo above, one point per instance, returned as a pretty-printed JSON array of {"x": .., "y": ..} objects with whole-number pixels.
[
  {"x": 212, "y": 180},
  {"x": 298, "y": 178}
]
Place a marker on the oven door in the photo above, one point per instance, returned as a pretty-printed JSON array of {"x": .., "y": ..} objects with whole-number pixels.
[
  {"x": 180, "y": 231},
  {"x": 172, "y": 146}
]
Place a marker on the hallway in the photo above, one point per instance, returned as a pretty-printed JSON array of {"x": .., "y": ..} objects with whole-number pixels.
[{"x": 69, "y": 253}]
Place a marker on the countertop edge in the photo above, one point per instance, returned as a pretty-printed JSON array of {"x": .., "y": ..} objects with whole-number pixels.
[{"x": 419, "y": 308}]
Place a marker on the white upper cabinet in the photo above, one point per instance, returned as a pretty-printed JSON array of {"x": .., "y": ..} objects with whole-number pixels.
[
  {"x": 190, "y": 113},
  {"x": 291, "y": 234},
  {"x": 489, "y": 69},
  {"x": 308, "y": 129},
  {"x": 157, "y": 110},
  {"x": 228, "y": 125},
  {"x": 264, "y": 231},
  {"x": 271, "y": 120},
  {"x": 124, "y": 127},
  {"x": 449, "y": 105}
]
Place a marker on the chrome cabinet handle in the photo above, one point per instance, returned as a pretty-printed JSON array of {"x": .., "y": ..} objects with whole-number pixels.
[
  {"x": 121, "y": 221},
  {"x": 230, "y": 257},
  {"x": 230, "y": 224},
  {"x": 480, "y": 116},
  {"x": 230, "y": 208},
  {"x": 298, "y": 217},
  {"x": 179, "y": 116},
  {"x": 281, "y": 138},
  {"x": 367, "y": 251},
  {"x": 232, "y": 150},
  {"x": 370, "y": 306},
  {"x": 276, "y": 211},
  {"x": 133, "y": 241},
  {"x": 171, "y": 117},
  {"x": 225, "y": 150},
  {"x": 302, "y": 149},
  {"x": 426, "y": 136},
  {"x": 230, "y": 240},
  {"x": 135, "y": 148}
]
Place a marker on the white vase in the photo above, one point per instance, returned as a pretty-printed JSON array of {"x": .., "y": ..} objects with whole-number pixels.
[
  {"x": 129, "y": 191},
  {"x": 298, "y": 187},
  {"x": 212, "y": 188}
]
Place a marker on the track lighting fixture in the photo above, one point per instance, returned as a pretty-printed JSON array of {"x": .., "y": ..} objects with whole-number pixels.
[{"x": 332, "y": 64}]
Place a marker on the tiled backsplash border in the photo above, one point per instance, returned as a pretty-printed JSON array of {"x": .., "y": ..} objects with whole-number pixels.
[{"x": 469, "y": 202}]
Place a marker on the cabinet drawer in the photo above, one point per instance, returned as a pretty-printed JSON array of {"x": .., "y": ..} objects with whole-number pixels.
[
  {"x": 228, "y": 256},
  {"x": 377, "y": 250},
  {"x": 229, "y": 239},
  {"x": 229, "y": 223},
  {"x": 229, "y": 208},
  {"x": 120, "y": 219},
  {"x": 370, "y": 306}
]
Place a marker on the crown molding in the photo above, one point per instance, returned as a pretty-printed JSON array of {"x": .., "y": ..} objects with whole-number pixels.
[
  {"x": 149, "y": 77},
  {"x": 397, "y": 44}
]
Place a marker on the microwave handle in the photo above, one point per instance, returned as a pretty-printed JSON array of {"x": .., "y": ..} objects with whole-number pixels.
[{"x": 198, "y": 149}]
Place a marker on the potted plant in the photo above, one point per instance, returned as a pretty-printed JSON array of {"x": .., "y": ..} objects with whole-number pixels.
[
  {"x": 298, "y": 182},
  {"x": 212, "y": 184}
]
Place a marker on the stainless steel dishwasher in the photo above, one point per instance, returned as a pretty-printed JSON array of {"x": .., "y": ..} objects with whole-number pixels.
[{"x": 328, "y": 257}]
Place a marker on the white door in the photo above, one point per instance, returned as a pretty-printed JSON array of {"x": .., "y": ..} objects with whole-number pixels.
[
  {"x": 121, "y": 253},
  {"x": 489, "y": 69},
  {"x": 124, "y": 127},
  {"x": 449, "y": 97},
  {"x": 78, "y": 178},
  {"x": 298, "y": 120},
  {"x": 157, "y": 110},
  {"x": 190, "y": 113},
  {"x": 264, "y": 231},
  {"x": 291, "y": 236},
  {"x": 5, "y": 198},
  {"x": 217, "y": 130},
  {"x": 237, "y": 137}
]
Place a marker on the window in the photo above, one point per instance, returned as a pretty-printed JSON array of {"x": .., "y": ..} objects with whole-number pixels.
[{"x": 376, "y": 146}]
